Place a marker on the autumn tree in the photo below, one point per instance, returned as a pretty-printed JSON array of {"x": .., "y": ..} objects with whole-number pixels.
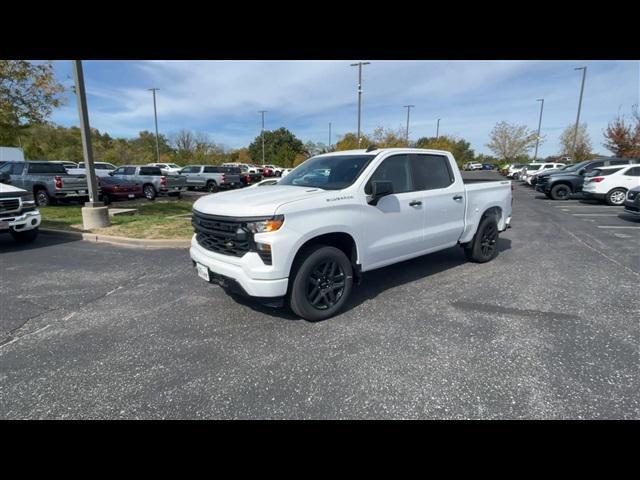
[
  {"x": 509, "y": 141},
  {"x": 349, "y": 141},
  {"x": 583, "y": 143},
  {"x": 28, "y": 94},
  {"x": 623, "y": 139}
]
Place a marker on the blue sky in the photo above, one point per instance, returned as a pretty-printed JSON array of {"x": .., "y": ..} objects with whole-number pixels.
[{"x": 222, "y": 98}]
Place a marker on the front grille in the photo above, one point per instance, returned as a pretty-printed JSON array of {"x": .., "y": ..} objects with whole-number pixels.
[
  {"x": 224, "y": 235},
  {"x": 9, "y": 204}
]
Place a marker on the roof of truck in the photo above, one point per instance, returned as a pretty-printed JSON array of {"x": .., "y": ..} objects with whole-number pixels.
[{"x": 381, "y": 150}]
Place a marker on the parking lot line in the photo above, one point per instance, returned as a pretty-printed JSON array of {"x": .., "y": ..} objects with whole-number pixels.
[
  {"x": 594, "y": 214},
  {"x": 619, "y": 226}
]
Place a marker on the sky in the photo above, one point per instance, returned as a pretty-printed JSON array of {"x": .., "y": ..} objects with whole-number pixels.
[{"x": 222, "y": 98}]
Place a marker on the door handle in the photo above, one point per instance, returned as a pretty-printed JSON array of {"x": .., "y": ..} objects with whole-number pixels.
[
  {"x": 458, "y": 197},
  {"x": 415, "y": 203}
]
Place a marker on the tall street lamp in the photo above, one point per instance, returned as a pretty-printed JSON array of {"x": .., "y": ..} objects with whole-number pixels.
[
  {"x": 575, "y": 133},
  {"x": 438, "y": 129},
  {"x": 535, "y": 155},
  {"x": 359, "y": 65},
  {"x": 262, "y": 112},
  {"x": 408, "y": 107},
  {"x": 155, "y": 116}
]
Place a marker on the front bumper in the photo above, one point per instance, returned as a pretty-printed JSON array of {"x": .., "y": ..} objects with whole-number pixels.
[
  {"x": 21, "y": 223},
  {"x": 593, "y": 195},
  {"x": 240, "y": 272}
]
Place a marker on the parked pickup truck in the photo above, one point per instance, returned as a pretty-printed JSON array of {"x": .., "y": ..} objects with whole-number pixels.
[
  {"x": 210, "y": 177},
  {"x": 102, "y": 169},
  {"x": 152, "y": 181},
  {"x": 307, "y": 238},
  {"x": 47, "y": 181},
  {"x": 19, "y": 215}
]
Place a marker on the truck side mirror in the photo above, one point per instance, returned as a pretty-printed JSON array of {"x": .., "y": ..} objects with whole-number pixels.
[
  {"x": 582, "y": 171},
  {"x": 379, "y": 189},
  {"x": 5, "y": 178}
]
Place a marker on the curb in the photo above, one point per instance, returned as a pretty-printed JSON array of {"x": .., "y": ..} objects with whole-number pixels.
[{"x": 131, "y": 242}]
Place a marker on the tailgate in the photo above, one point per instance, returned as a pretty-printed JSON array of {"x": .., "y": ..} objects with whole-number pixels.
[
  {"x": 74, "y": 182},
  {"x": 176, "y": 181}
]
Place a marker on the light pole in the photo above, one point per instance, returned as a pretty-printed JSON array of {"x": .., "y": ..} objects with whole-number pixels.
[
  {"x": 535, "y": 155},
  {"x": 438, "y": 129},
  {"x": 575, "y": 133},
  {"x": 155, "y": 116},
  {"x": 329, "y": 136},
  {"x": 408, "y": 107},
  {"x": 359, "y": 65},
  {"x": 262, "y": 112},
  {"x": 94, "y": 213}
]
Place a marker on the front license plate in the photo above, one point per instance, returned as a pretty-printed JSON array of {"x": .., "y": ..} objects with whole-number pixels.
[
  {"x": 131, "y": 195},
  {"x": 203, "y": 272}
]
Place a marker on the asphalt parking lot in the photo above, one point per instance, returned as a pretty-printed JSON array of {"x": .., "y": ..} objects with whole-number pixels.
[{"x": 549, "y": 329}]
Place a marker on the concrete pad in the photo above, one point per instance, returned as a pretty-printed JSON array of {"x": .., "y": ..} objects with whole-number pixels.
[{"x": 123, "y": 211}]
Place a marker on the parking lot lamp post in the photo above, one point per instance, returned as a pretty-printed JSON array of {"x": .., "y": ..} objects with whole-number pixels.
[
  {"x": 329, "y": 136},
  {"x": 94, "y": 213},
  {"x": 359, "y": 65},
  {"x": 408, "y": 107},
  {"x": 438, "y": 129},
  {"x": 535, "y": 155},
  {"x": 575, "y": 133},
  {"x": 262, "y": 134},
  {"x": 155, "y": 116}
]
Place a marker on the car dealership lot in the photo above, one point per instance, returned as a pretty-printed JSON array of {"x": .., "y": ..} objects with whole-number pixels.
[{"x": 546, "y": 330}]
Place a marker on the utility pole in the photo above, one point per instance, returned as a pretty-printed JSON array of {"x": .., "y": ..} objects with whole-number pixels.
[
  {"x": 438, "y": 130},
  {"x": 575, "y": 133},
  {"x": 94, "y": 213},
  {"x": 155, "y": 115},
  {"x": 535, "y": 155},
  {"x": 359, "y": 65},
  {"x": 408, "y": 107},
  {"x": 329, "y": 136},
  {"x": 262, "y": 133}
]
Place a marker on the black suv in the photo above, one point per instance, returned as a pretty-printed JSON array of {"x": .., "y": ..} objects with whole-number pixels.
[{"x": 560, "y": 185}]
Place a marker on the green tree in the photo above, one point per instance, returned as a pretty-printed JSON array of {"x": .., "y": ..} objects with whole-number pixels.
[
  {"x": 461, "y": 149},
  {"x": 280, "y": 147},
  {"x": 510, "y": 141},
  {"x": 28, "y": 95}
]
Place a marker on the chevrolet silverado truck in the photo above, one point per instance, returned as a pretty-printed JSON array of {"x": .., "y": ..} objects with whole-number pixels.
[
  {"x": 153, "y": 182},
  {"x": 47, "y": 181},
  {"x": 310, "y": 237},
  {"x": 19, "y": 215},
  {"x": 211, "y": 177}
]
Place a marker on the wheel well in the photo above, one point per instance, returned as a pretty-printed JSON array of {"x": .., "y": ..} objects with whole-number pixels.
[
  {"x": 617, "y": 188},
  {"x": 39, "y": 187},
  {"x": 151, "y": 184},
  {"x": 493, "y": 211},
  {"x": 340, "y": 240},
  {"x": 566, "y": 184}
]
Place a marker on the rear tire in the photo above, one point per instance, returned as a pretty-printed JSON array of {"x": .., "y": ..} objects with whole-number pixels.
[
  {"x": 149, "y": 192},
  {"x": 27, "y": 236},
  {"x": 321, "y": 284},
  {"x": 212, "y": 186},
  {"x": 616, "y": 197},
  {"x": 484, "y": 246},
  {"x": 560, "y": 192},
  {"x": 106, "y": 199},
  {"x": 42, "y": 198}
]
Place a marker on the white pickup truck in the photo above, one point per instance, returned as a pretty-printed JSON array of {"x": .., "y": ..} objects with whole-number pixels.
[{"x": 337, "y": 215}]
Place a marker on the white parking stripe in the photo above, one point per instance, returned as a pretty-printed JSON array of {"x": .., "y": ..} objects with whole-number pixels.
[
  {"x": 594, "y": 214},
  {"x": 619, "y": 226}
]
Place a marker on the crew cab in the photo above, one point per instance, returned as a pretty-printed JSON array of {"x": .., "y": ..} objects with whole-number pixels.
[
  {"x": 560, "y": 185},
  {"x": 19, "y": 215},
  {"x": 211, "y": 177},
  {"x": 309, "y": 237},
  {"x": 153, "y": 182},
  {"x": 47, "y": 181}
]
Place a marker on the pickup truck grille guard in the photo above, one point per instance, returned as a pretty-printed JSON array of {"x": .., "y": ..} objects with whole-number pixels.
[{"x": 226, "y": 235}]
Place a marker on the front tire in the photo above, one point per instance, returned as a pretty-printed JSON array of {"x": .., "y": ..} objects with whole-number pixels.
[
  {"x": 322, "y": 283},
  {"x": 560, "y": 192},
  {"x": 27, "y": 236},
  {"x": 616, "y": 197},
  {"x": 484, "y": 246}
]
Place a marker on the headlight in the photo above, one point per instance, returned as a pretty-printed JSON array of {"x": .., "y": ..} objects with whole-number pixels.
[
  {"x": 28, "y": 200},
  {"x": 267, "y": 225}
]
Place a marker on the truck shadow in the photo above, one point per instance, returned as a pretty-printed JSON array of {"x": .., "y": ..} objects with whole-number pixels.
[
  {"x": 377, "y": 281},
  {"x": 8, "y": 244}
]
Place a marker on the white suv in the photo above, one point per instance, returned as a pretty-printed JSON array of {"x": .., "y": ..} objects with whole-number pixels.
[
  {"x": 611, "y": 184},
  {"x": 536, "y": 168}
]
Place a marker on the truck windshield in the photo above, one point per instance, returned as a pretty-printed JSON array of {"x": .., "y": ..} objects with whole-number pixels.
[{"x": 333, "y": 172}]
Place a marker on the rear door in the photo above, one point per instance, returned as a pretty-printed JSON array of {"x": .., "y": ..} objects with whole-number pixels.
[
  {"x": 631, "y": 178},
  {"x": 442, "y": 199}
]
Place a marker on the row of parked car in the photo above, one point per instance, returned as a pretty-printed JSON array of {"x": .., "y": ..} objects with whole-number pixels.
[
  {"x": 51, "y": 181},
  {"x": 615, "y": 181}
]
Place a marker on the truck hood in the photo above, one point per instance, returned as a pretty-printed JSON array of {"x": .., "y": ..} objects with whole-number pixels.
[
  {"x": 10, "y": 189},
  {"x": 253, "y": 201}
]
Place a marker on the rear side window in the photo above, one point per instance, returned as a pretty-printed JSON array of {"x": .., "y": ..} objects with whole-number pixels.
[
  {"x": 46, "y": 168},
  {"x": 212, "y": 169},
  {"x": 619, "y": 162},
  {"x": 431, "y": 172},
  {"x": 633, "y": 172},
  {"x": 150, "y": 171}
]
